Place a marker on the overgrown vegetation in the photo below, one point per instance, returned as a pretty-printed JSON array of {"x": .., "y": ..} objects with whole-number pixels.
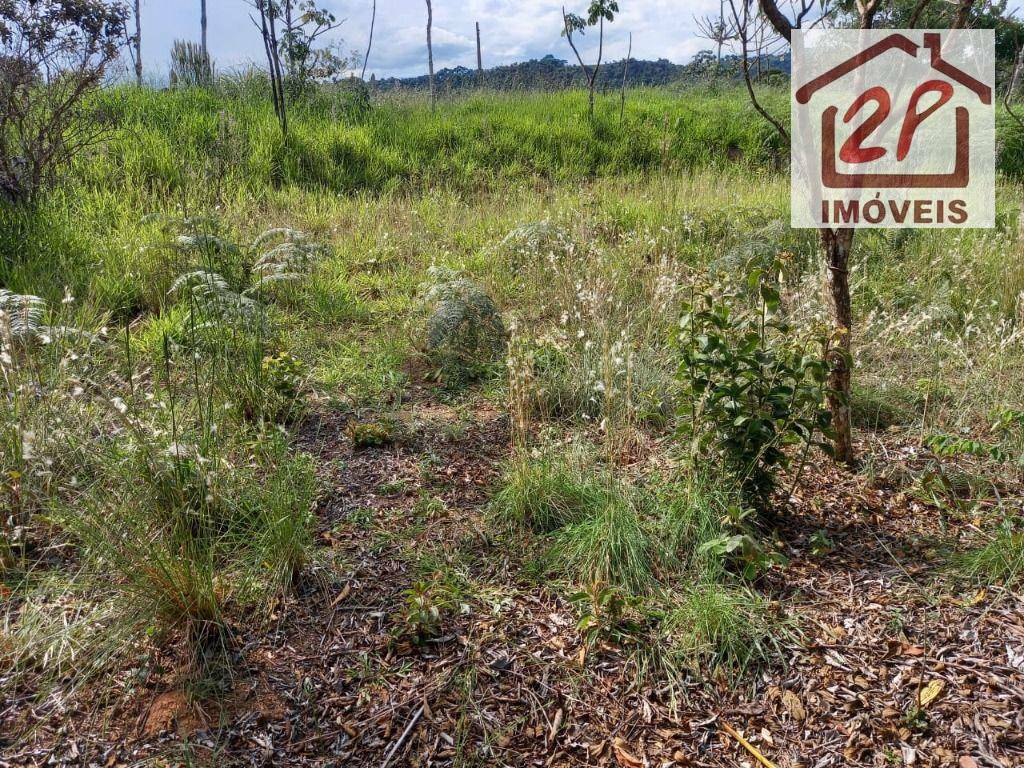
[{"x": 655, "y": 341}]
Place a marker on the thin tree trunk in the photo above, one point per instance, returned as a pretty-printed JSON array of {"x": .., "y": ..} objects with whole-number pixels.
[
  {"x": 836, "y": 247},
  {"x": 597, "y": 67},
  {"x": 268, "y": 28},
  {"x": 625, "y": 73},
  {"x": 290, "y": 49},
  {"x": 479, "y": 58},
  {"x": 138, "y": 44},
  {"x": 202, "y": 27},
  {"x": 369, "y": 43},
  {"x": 280, "y": 75},
  {"x": 963, "y": 14},
  {"x": 430, "y": 54}
]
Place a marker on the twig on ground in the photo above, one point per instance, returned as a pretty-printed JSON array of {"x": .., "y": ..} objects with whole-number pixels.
[
  {"x": 747, "y": 745},
  {"x": 401, "y": 739}
]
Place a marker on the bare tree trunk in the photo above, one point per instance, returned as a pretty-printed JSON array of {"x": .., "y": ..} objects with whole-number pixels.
[
  {"x": 597, "y": 67},
  {"x": 138, "y": 44},
  {"x": 836, "y": 246},
  {"x": 369, "y": 44},
  {"x": 625, "y": 73},
  {"x": 202, "y": 27},
  {"x": 963, "y": 14},
  {"x": 430, "y": 54},
  {"x": 268, "y": 28},
  {"x": 289, "y": 53},
  {"x": 479, "y": 58}
]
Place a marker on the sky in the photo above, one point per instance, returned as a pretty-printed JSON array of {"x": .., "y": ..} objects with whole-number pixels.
[{"x": 511, "y": 30}]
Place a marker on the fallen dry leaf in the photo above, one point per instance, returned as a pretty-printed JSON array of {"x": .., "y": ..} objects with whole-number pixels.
[
  {"x": 794, "y": 706},
  {"x": 931, "y": 692},
  {"x": 966, "y": 761},
  {"x": 622, "y": 755}
]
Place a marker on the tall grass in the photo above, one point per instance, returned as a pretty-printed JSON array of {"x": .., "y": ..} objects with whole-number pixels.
[
  {"x": 486, "y": 139},
  {"x": 151, "y": 455},
  {"x": 685, "y": 183}
]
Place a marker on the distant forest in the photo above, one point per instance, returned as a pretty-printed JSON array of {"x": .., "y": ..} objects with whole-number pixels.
[{"x": 551, "y": 73}]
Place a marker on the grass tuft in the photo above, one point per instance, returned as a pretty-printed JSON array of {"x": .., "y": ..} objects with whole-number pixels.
[
  {"x": 1001, "y": 560},
  {"x": 609, "y": 546},
  {"x": 546, "y": 492},
  {"x": 718, "y": 627}
]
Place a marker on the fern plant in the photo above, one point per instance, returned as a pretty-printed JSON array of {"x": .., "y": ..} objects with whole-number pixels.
[
  {"x": 22, "y": 316},
  {"x": 290, "y": 258},
  {"x": 543, "y": 238},
  {"x": 464, "y": 330},
  {"x": 217, "y": 301}
]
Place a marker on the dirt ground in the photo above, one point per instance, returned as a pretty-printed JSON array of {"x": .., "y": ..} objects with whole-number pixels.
[{"x": 884, "y": 665}]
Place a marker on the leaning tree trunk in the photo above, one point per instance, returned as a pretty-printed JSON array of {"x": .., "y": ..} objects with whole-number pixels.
[
  {"x": 836, "y": 246},
  {"x": 369, "y": 43}
]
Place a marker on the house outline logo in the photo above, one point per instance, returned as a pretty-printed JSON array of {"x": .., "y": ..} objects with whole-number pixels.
[{"x": 847, "y": 72}]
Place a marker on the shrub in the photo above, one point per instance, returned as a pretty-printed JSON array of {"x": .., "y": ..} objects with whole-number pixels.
[
  {"x": 464, "y": 330},
  {"x": 45, "y": 123},
  {"x": 754, "y": 388}
]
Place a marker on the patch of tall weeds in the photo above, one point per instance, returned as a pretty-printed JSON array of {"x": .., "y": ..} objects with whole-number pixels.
[{"x": 153, "y": 457}]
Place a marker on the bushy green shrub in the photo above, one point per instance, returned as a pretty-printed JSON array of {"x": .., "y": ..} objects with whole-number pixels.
[{"x": 753, "y": 386}]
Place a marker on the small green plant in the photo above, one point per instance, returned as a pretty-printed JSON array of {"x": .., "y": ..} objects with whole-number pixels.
[
  {"x": 607, "y": 614},
  {"x": 424, "y": 608},
  {"x": 915, "y": 719},
  {"x": 820, "y": 543},
  {"x": 283, "y": 374},
  {"x": 753, "y": 386}
]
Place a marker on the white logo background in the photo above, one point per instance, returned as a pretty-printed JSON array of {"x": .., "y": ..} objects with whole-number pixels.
[{"x": 875, "y": 187}]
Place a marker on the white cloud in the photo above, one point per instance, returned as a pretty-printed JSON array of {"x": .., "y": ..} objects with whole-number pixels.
[{"x": 511, "y": 30}]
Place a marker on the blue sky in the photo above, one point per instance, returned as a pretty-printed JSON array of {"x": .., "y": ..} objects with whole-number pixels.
[{"x": 511, "y": 30}]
